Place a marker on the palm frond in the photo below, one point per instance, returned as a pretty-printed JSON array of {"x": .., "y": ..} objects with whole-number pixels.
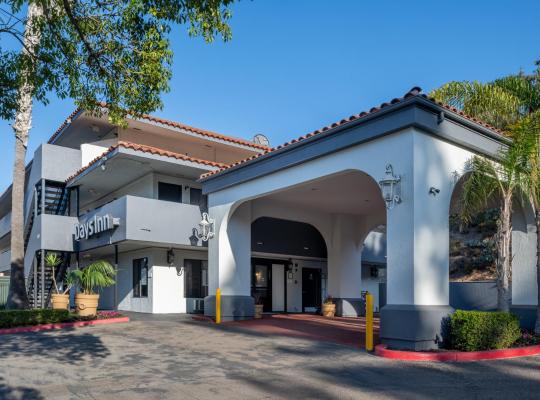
[
  {"x": 99, "y": 274},
  {"x": 482, "y": 184},
  {"x": 489, "y": 102},
  {"x": 523, "y": 87},
  {"x": 52, "y": 259},
  {"x": 525, "y": 152}
]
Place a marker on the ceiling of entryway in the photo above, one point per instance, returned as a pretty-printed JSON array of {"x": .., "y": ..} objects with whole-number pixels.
[{"x": 351, "y": 192}]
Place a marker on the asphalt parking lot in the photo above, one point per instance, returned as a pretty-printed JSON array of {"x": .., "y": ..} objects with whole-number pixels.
[{"x": 174, "y": 357}]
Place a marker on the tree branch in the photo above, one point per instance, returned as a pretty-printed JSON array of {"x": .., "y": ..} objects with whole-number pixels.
[{"x": 92, "y": 56}]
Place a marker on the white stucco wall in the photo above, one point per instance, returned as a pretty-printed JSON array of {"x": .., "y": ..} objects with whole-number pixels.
[
  {"x": 294, "y": 286},
  {"x": 91, "y": 151},
  {"x": 165, "y": 285},
  {"x": 168, "y": 286}
]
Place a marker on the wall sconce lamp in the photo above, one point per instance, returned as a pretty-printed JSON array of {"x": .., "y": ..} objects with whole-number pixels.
[
  {"x": 207, "y": 228},
  {"x": 179, "y": 270},
  {"x": 170, "y": 256},
  {"x": 170, "y": 261},
  {"x": 391, "y": 188}
]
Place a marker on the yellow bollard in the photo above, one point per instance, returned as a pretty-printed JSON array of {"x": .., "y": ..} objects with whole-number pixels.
[
  {"x": 218, "y": 306},
  {"x": 369, "y": 322}
]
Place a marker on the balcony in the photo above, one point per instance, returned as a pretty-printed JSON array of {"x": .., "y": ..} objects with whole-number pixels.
[{"x": 143, "y": 220}]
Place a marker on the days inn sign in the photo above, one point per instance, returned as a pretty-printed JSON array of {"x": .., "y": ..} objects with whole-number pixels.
[{"x": 95, "y": 225}]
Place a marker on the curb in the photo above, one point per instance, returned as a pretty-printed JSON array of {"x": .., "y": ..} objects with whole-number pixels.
[
  {"x": 61, "y": 325},
  {"x": 456, "y": 356}
]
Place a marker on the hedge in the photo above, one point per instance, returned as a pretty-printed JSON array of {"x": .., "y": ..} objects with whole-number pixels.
[
  {"x": 14, "y": 318},
  {"x": 483, "y": 330}
]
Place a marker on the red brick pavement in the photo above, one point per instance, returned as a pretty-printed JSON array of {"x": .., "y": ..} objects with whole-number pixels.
[{"x": 346, "y": 331}]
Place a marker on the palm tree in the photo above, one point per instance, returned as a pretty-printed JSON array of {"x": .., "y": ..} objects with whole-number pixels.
[
  {"x": 510, "y": 104},
  {"x": 500, "y": 180},
  {"x": 17, "y": 297}
]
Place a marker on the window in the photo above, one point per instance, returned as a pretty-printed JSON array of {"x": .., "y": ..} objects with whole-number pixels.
[
  {"x": 140, "y": 277},
  {"x": 261, "y": 276},
  {"x": 196, "y": 279},
  {"x": 169, "y": 192}
]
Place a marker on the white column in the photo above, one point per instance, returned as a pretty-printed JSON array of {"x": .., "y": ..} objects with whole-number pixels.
[
  {"x": 418, "y": 247},
  {"x": 345, "y": 258},
  {"x": 345, "y": 264},
  {"x": 229, "y": 261},
  {"x": 229, "y": 252}
]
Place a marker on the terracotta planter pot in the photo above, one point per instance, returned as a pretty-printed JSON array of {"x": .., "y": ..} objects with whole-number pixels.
[
  {"x": 258, "y": 311},
  {"x": 328, "y": 310},
  {"x": 86, "y": 304},
  {"x": 60, "y": 301}
]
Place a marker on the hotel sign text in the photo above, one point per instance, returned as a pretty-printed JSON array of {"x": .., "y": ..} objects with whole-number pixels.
[{"x": 95, "y": 225}]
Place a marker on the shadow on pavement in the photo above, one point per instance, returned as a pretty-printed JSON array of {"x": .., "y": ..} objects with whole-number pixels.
[
  {"x": 370, "y": 376},
  {"x": 64, "y": 346},
  {"x": 18, "y": 392}
]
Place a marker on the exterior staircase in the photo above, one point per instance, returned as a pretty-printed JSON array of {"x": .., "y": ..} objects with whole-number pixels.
[
  {"x": 53, "y": 200},
  {"x": 37, "y": 297}
]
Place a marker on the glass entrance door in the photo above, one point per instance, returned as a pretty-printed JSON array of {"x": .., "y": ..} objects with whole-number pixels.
[{"x": 261, "y": 288}]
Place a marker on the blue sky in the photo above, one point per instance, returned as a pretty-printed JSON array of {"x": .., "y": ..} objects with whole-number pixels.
[{"x": 295, "y": 66}]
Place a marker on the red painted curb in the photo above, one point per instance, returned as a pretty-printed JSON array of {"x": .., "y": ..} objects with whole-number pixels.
[
  {"x": 456, "y": 356},
  {"x": 47, "y": 327}
]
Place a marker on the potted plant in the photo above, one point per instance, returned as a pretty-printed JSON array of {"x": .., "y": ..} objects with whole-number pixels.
[
  {"x": 258, "y": 307},
  {"x": 97, "y": 275},
  {"x": 329, "y": 307},
  {"x": 59, "y": 299}
]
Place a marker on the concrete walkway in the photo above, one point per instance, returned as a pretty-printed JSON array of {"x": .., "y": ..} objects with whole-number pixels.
[
  {"x": 174, "y": 357},
  {"x": 346, "y": 331}
]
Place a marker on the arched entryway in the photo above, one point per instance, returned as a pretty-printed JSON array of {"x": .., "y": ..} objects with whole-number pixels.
[
  {"x": 336, "y": 210},
  {"x": 289, "y": 265}
]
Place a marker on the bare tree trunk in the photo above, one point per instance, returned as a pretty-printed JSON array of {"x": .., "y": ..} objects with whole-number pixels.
[
  {"x": 504, "y": 255},
  {"x": 17, "y": 297},
  {"x": 537, "y": 220}
]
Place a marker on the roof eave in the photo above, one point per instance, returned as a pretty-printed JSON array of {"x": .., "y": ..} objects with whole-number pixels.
[{"x": 415, "y": 100}]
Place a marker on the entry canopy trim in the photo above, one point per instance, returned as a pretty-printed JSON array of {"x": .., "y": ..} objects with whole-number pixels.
[{"x": 413, "y": 110}]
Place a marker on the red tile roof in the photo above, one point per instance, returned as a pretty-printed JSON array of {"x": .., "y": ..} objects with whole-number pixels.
[
  {"x": 415, "y": 91},
  {"x": 64, "y": 124},
  {"x": 173, "y": 124},
  {"x": 146, "y": 149}
]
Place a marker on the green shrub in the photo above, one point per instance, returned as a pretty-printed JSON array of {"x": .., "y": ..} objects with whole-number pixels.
[
  {"x": 13, "y": 318},
  {"x": 481, "y": 330}
]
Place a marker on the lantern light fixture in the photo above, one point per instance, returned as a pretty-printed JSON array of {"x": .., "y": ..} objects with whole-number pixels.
[
  {"x": 391, "y": 187},
  {"x": 207, "y": 228}
]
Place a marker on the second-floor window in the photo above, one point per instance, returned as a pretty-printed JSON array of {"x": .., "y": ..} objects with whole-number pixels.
[{"x": 170, "y": 192}]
